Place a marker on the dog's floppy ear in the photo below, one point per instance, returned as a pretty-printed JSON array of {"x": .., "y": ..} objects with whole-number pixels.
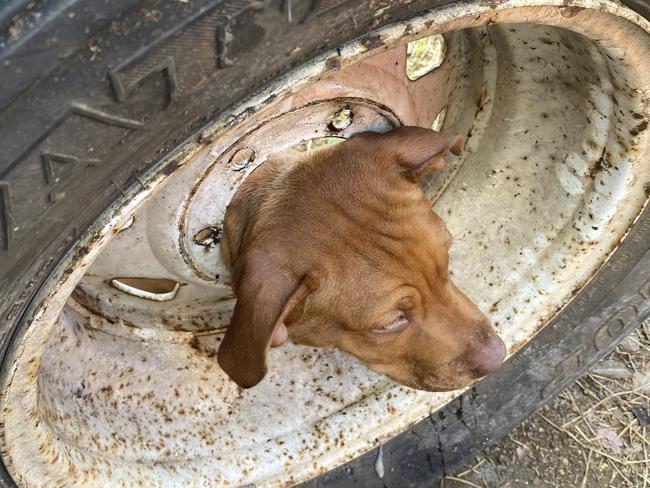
[
  {"x": 265, "y": 297},
  {"x": 417, "y": 150}
]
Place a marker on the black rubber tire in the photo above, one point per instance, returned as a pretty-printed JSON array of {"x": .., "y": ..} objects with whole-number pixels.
[{"x": 95, "y": 92}]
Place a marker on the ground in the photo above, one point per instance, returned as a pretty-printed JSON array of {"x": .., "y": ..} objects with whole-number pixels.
[{"x": 591, "y": 435}]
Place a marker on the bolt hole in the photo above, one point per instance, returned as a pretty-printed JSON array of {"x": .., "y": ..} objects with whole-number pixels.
[
  {"x": 439, "y": 121},
  {"x": 242, "y": 158},
  {"x": 208, "y": 237},
  {"x": 155, "y": 289},
  {"x": 341, "y": 120},
  {"x": 316, "y": 143},
  {"x": 425, "y": 55}
]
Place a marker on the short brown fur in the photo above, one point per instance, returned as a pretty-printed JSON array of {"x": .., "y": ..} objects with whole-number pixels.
[{"x": 341, "y": 249}]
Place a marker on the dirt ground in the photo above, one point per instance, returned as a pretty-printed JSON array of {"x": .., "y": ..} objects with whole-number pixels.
[{"x": 591, "y": 435}]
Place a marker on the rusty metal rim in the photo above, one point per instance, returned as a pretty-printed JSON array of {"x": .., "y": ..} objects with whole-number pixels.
[{"x": 52, "y": 296}]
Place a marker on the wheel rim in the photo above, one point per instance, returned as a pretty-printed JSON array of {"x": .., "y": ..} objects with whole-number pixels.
[{"x": 82, "y": 407}]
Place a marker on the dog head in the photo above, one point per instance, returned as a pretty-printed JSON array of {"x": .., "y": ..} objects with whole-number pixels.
[{"x": 342, "y": 249}]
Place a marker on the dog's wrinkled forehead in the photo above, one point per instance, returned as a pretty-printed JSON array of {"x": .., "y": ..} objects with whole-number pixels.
[
  {"x": 382, "y": 270},
  {"x": 390, "y": 235}
]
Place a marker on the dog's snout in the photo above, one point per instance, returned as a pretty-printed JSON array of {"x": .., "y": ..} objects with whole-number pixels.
[{"x": 487, "y": 357}]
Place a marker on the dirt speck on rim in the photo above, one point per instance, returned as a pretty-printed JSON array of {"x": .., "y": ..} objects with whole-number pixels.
[{"x": 591, "y": 435}]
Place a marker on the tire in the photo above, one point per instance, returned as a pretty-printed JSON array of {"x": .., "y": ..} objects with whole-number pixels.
[{"x": 95, "y": 93}]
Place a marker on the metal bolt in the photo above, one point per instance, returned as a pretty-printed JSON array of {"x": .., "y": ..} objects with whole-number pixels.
[
  {"x": 342, "y": 119},
  {"x": 242, "y": 158},
  {"x": 208, "y": 237}
]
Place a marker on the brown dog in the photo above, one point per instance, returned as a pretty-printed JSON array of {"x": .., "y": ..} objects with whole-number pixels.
[{"x": 342, "y": 249}]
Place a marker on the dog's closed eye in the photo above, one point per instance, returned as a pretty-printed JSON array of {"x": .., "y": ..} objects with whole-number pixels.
[{"x": 396, "y": 325}]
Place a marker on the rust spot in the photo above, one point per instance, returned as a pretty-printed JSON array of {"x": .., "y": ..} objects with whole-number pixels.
[
  {"x": 82, "y": 251},
  {"x": 373, "y": 41},
  {"x": 639, "y": 128},
  {"x": 332, "y": 63},
  {"x": 569, "y": 12},
  {"x": 171, "y": 167}
]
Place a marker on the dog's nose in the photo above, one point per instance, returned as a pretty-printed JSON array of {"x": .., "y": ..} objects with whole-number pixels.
[{"x": 488, "y": 357}]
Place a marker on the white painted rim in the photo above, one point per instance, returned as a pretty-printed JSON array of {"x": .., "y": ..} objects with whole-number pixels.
[{"x": 40, "y": 448}]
